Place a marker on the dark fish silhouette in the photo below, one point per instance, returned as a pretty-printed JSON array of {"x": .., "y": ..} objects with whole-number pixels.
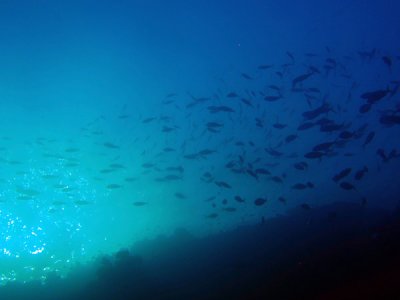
[
  {"x": 341, "y": 174},
  {"x": 110, "y": 145},
  {"x": 369, "y": 138},
  {"x": 290, "y": 138},
  {"x": 279, "y": 126},
  {"x": 232, "y": 95},
  {"x": 260, "y": 201},
  {"x": 302, "y": 186},
  {"x": 246, "y": 76},
  {"x": 314, "y": 154},
  {"x": 346, "y": 134},
  {"x": 239, "y": 199},
  {"x": 262, "y": 171},
  {"x": 139, "y": 203},
  {"x": 375, "y": 96},
  {"x": 265, "y": 67},
  {"x": 347, "y": 186},
  {"x": 387, "y": 61},
  {"x": 212, "y": 216},
  {"x": 323, "y": 147},
  {"x": 365, "y": 108},
  {"x": 390, "y": 120},
  {"x": 222, "y": 108},
  {"x": 300, "y": 79},
  {"x": 282, "y": 200},
  {"x": 305, "y": 126},
  {"x": 272, "y": 98},
  {"x": 312, "y": 114},
  {"x": 360, "y": 173},
  {"x": 301, "y": 165},
  {"x": 222, "y": 184}
]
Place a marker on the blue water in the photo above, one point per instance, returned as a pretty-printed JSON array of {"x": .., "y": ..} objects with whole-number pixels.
[{"x": 100, "y": 99}]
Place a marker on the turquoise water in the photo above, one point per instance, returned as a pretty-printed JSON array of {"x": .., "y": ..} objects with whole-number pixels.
[{"x": 104, "y": 110}]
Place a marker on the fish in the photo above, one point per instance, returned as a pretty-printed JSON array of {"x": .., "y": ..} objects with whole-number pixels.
[
  {"x": 331, "y": 127},
  {"x": 168, "y": 129},
  {"x": 301, "y": 78},
  {"x": 301, "y": 165},
  {"x": 314, "y": 154},
  {"x": 312, "y": 114},
  {"x": 282, "y": 200},
  {"x": 209, "y": 199},
  {"x": 346, "y": 134},
  {"x": 212, "y": 216},
  {"x": 360, "y": 173},
  {"x": 279, "y": 126},
  {"x": 229, "y": 209},
  {"x": 291, "y": 56},
  {"x": 106, "y": 171},
  {"x": 222, "y": 108},
  {"x": 273, "y": 152},
  {"x": 386, "y": 158},
  {"x": 123, "y": 116},
  {"x": 179, "y": 195},
  {"x": 60, "y": 186},
  {"x": 170, "y": 177},
  {"x": 214, "y": 125},
  {"x": 246, "y": 76},
  {"x": 305, "y": 126},
  {"x": 347, "y": 186},
  {"x": 206, "y": 152},
  {"x": 25, "y": 197},
  {"x": 117, "y": 166},
  {"x": 82, "y": 202},
  {"x": 239, "y": 199},
  {"x": 110, "y": 145},
  {"x": 302, "y": 186},
  {"x": 277, "y": 179},
  {"x": 71, "y": 150},
  {"x": 139, "y": 203},
  {"x": 232, "y": 95},
  {"x": 148, "y": 165},
  {"x": 339, "y": 176},
  {"x": 272, "y": 98},
  {"x": 323, "y": 147},
  {"x": 58, "y": 203},
  {"x": 387, "y": 61},
  {"x": 389, "y": 119},
  {"x": 274, "y": 87},
  {"x": 223, "y": 184},
  {"x": 130, "y": 179},
  {"x": 148, "y": 120},
  {"x": 179, "y": 169},
  {"x": 290, "y": 138},
  {"x": 262, "y": 171},
  {"x": 27, "y": 192},
  {"x": 50, "y": 176},
  {"x": 264, "y": 67},
  {"x": 375, "y": 96},
  {"x": 113, "y": 186},
  {"x": 382, "y": 154},
  {"x": 260, "y": 201},
  {"x": 365, "y": 108},
  {"x": 369, "y": 138},
  {"x": 247, "y": 102}
]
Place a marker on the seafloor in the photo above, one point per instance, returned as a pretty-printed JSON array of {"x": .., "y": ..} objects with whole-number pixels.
[{"x": 339, "y": 251}]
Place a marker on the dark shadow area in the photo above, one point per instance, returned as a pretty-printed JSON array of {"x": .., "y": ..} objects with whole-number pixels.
[{"x": 339, "y": 251}]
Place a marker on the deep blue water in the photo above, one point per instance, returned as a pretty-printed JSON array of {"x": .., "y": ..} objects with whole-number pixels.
[{"x": 124, "y": 121}]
